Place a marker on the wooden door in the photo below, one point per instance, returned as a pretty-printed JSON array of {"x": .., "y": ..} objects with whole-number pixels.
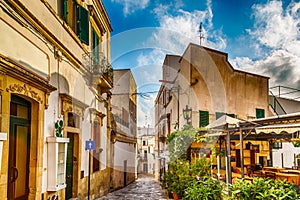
[
  {"x": 19, "y": 149},
  {"x": 69, "y": 166}
]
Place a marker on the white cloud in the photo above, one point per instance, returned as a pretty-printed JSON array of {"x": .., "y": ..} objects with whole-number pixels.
[
  {"x": 277, "y": 34},
  {"x": 174, "y": 33},
  {"x": 130, "y": 6},
  {"x": 181, "y": 27}
]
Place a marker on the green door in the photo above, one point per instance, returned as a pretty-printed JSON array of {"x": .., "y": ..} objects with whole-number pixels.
[
  {"x": 19, "y": 149},
  {"x": 69, "y": 166}
]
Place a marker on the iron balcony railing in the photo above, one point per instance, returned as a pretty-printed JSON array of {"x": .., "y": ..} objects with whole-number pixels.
[
  {"x": 276, "y": 106},
  {"x": 97, "y": 64}
]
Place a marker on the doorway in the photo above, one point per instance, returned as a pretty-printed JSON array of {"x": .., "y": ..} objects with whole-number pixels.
[
  {"x": 125, "y": 173},
  {"x": 19, "y": 149},
  {"x": 69, "y": 166}
]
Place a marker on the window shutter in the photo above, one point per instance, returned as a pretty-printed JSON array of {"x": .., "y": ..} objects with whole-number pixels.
[
  {"x": 260, "y": 113},
  {"x": 83, "y": 24},
  {"x": 95, "y": 46},
  {"x": 65, "y": 10},
  {"x": 203, "y": 118},
  {"x": 231, "y": 115},
  {"x": 219, "y": 114}
]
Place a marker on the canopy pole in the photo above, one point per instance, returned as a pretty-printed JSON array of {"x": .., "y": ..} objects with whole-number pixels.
[
  {"x": 270, "y": 164},
  {"x": 242, "y": 153},
  {"x": 228, "y": 161}
]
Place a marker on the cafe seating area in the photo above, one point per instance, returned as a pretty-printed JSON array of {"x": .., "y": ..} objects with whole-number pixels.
[{"x": 276, "y": 173}]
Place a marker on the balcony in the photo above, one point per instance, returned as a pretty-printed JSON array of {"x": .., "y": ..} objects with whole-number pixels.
[{"x": 99, "y": 72}]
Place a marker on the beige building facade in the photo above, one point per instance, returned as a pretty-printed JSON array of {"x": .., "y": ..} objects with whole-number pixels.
[
  {"x": 146, "y": 151},
  {"x": 124, "y": 112},
  {"x": 204, "y": 82},
  {"x": 55, "y": 84}
]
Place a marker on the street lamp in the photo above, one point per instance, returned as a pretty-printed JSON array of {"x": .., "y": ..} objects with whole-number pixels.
[{"x": 187, "y": 114}]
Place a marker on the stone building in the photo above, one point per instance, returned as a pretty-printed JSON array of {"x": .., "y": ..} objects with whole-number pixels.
[
  {"x": 146, "y": 151},
  {"x": 203, "y": 83},
  {"x": 124, "y": 149},
  {"x": 55, "y": 84}
]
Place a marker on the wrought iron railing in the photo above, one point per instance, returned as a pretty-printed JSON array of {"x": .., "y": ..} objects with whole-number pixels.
[
  {"x": 119, "y": 120},
  {"x": 276, "y": 106},
  {"x": 97, "y": 64}
]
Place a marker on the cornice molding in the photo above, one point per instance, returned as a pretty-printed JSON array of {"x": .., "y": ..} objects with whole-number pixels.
[
  {"x": 38, "y": 26},
  {"x": 71, "y": 104},
  {"x": 25, "y": 90}
]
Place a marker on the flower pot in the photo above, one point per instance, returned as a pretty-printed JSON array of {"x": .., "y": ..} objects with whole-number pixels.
[{"x": 175, "y": 196}]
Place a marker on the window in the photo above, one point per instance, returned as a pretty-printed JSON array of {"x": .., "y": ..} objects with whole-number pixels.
[
  {"x": 73, "y": 120},
  {"x": 76, "y": 16},
  {"x": 96, "y": 153},
  {"x": 219, "y": 114},
  {"x": 95, "y": 47},
  {"x": 203, "y": 118},
  {"x": 144, "y": 143},
  {"x": 260, "y": 113}
]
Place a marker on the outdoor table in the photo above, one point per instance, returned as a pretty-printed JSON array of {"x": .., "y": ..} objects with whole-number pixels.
[
  {"x": 291, "y": 178},
  {"x": 272, "y": 169},
  {"x": 290, "y": 171}
]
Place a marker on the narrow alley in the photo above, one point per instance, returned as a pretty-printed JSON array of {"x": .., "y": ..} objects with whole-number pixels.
[{"x": 144, "y": 188}]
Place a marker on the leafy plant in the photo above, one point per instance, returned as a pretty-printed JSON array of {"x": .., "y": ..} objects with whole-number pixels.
[
  {"x": 205, "y": 188},
  {"x": 179, "y": 141},
  {"x": 59, "y": 127},
  {"x": 265, "y": 189},
  {"x": 182, "y": 173}
]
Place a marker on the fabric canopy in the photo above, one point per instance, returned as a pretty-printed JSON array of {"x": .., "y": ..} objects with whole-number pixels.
[
  {"x": 222, "y": 121},
  {"x": 279, "y": 128}
]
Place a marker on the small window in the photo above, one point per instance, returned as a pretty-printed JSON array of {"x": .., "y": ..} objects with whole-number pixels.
[
  {"x": 203, "y": 118},
  {"x": 260, "y": 113},
  {"x": 73, "y": 120},
  {"x": 219, "y": 114}
]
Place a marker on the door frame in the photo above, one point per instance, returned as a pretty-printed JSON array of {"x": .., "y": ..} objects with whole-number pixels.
[{"x": 15, "y": 121}]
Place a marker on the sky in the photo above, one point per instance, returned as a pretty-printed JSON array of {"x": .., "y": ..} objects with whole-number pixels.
[{"x": 260, "y": 36}]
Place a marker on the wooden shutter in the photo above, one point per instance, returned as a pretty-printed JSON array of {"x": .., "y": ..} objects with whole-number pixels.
[
  {"x": 219, "y": 114},
  {"x": 260, "y": 113},
  {"x": 203, "y": 118},
  {"x": 95, "y": 46},
  {"x": 65, "y": 10},
  {"x": 83, "y": 24}
]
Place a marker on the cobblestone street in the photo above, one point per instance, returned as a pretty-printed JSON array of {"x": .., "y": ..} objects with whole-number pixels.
[{"x": 144, "y": 188}]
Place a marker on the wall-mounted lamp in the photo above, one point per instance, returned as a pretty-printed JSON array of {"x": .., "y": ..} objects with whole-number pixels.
[{"x": 187, "y": 114}]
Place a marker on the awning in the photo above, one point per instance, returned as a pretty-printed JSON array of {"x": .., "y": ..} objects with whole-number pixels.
[
  {"x": 222, "y": 121},
  {"x": 279, "y": 128}
]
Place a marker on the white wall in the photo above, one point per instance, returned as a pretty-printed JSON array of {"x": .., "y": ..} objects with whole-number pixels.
[{"x": 288, "y": 150}]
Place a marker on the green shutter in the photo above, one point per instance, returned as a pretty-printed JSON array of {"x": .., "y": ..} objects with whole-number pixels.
[
  {"x": 203, "y": 118},
  {"x": 260, "y": 113},
  {"x": 65, "y": 10},
  {"x": 95, "y": 46},
  {"x": 83, "y": 24},
  {"x": 231, "y": 115},
  {"x": 219, "y": 114}
]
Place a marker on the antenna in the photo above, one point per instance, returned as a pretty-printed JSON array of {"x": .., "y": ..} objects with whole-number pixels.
[{"x": 200, "y": 33}]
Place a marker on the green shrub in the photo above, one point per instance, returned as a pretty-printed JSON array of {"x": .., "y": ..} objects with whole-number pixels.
[
  {"x": 206, "y": 188},
  {"x": 182, "y": 173},
  {"x": 265, "y": 189}
]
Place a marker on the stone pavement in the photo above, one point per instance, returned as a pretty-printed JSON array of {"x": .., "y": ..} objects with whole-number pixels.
[{"x": 144, "y": 188}]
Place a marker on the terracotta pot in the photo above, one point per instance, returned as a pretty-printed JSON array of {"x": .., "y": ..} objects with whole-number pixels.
[{"x": 175, "y": 196}]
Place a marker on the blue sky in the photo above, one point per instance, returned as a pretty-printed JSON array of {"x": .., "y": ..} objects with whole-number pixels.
[{"x": 260, "y": 36}]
